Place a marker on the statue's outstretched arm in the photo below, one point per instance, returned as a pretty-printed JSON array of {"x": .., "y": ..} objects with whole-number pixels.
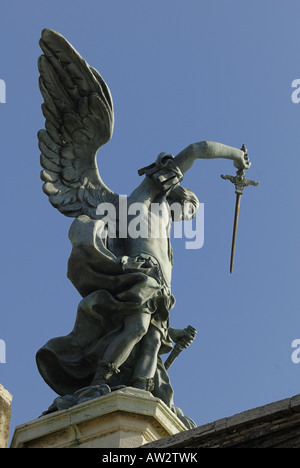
[
  {"x": 172, "y": 169},
  {"x": 210, "y": 150}
]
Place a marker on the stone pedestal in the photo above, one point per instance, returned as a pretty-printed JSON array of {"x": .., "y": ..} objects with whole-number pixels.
[
  {"x": 125, "y": 418},
  {"x": 5, "y": 411}
]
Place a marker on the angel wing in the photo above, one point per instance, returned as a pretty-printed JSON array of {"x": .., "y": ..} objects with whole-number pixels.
[{"x": 79, "y": 115}]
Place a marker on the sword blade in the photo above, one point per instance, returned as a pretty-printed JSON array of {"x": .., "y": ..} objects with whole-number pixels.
[{"x": 235, "y": 226}]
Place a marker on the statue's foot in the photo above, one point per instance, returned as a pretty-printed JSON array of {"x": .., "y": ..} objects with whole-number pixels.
[
  {"x": 89, "y": 393},
  {"x": 80, "y": 396}
]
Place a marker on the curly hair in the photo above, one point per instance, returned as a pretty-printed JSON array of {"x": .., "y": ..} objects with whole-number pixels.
[{"x": 182, "y": 195}]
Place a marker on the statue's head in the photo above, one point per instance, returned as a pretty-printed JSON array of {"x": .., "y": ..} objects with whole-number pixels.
[{"x": 183, "y": 203}]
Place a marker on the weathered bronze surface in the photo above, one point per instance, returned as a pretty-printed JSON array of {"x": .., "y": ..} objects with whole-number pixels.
[{"x": 122, "y": 325}]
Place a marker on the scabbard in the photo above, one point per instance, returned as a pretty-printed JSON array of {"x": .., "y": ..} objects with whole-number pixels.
[
  {"x": 178, "y": 348},
  {"x": 173, "y": 355}
]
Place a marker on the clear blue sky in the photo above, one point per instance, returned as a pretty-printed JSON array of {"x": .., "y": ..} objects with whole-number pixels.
[{"x": 179, "y": 72}]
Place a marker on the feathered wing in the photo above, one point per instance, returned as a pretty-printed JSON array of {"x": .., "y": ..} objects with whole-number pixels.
[{"x": 79, "y": 117}]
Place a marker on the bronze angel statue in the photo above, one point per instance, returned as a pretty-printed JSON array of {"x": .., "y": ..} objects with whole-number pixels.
[{"x": 122, "y": 323}]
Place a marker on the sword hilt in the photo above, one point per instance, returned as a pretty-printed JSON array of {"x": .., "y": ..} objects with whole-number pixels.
[{"x": 240, "y": 181}]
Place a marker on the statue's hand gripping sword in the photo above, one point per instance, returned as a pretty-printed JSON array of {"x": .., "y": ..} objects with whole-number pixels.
[
  {"x": 240, "y": 181},
  {"x": 179, "y": 346}
]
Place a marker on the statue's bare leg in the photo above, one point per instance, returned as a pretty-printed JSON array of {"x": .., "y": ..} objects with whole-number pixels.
[
  {"x": 145, "y": 366},
  {"x": 135, "y": 327}
]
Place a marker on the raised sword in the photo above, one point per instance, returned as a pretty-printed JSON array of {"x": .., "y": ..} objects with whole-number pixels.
[{"x": 240, "y": 181}]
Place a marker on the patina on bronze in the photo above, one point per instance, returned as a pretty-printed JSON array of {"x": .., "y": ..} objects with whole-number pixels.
[{"x": 122, "y": 326}]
